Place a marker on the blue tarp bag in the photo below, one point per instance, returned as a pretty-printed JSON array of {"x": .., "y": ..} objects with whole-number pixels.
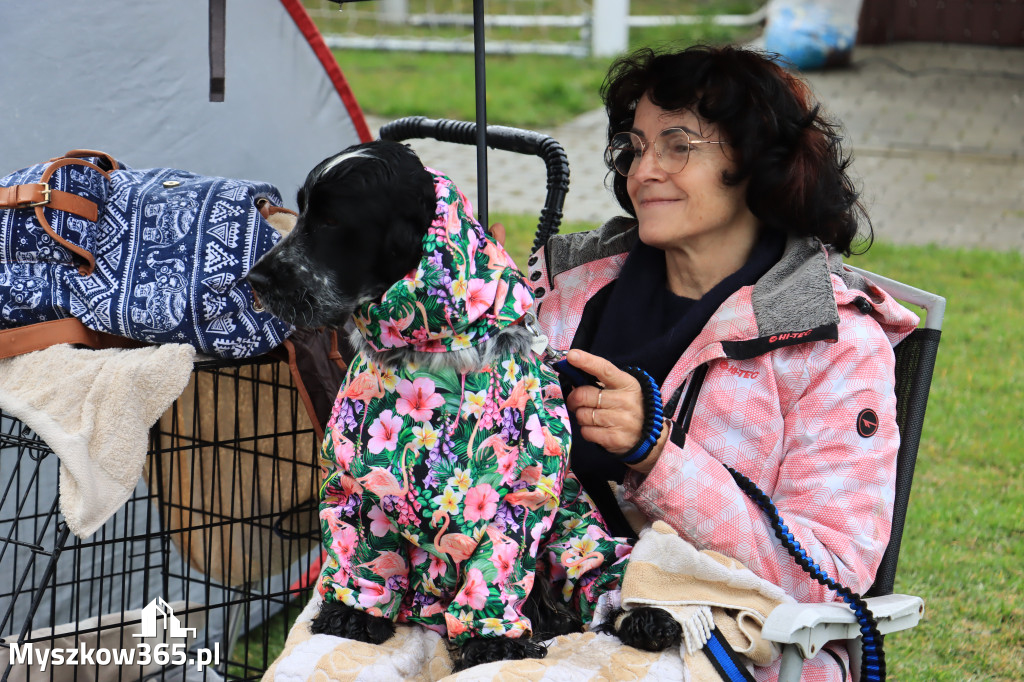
[
  {"x": 812, "y": 34},
  {"x": 95, "y": 252}
]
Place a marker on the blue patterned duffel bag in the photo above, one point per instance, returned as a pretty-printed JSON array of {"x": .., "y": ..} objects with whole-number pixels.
[{"x": 94, "y": 252}]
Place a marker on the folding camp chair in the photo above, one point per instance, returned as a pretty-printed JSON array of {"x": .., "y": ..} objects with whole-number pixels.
[{"x": 802, "y": 629}]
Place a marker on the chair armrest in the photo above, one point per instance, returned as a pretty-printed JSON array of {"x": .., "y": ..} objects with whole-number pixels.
[
  {"x": 934, "y": 305},
  {"x": 811, "y": 626}
]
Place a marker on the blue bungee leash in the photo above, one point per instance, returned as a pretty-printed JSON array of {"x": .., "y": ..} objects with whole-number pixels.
[{"x": 872, "y": 653}]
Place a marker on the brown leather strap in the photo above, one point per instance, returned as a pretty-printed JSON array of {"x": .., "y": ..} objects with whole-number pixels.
[
  {"x": 42, "y": 335},
  {"x": 62, "y": 161},
  {"x": 267, "y": 209},
  {"x": 72, "y": 203},
  {"x": 24, "y": 196},
  {"x": 86, "y": 153},
  {"x": 39, "y": 194},
  {"x": 85, "y": 254},
  {"x": 300, "y": 385},
  {"x": 315, "y": 374},
  {"x": 334, "y": 354}
]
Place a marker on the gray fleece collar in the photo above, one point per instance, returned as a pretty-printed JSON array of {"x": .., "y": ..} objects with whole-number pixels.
[
  {"x": 794, "y": 296},
  {"x": 567, "y": 251}
]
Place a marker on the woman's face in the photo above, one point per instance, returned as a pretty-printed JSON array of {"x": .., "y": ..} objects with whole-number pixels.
[{"x": 693, "y": 206}]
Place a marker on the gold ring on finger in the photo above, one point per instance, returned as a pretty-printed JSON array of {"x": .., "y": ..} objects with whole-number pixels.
[
  {"x": 593, "y": 416},
  {"x": 600, "y": 394}
]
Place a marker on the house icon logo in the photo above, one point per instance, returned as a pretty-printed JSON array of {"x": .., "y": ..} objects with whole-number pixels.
[{"x": 158, "y": 610}]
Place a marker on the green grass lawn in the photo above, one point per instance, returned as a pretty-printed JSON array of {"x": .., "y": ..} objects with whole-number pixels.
[
  {"x": 965, "y": 527},
  {"x": 528, "y": 91}
]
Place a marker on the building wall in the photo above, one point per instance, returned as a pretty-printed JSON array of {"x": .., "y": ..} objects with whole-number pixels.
[{"x": 980, "y": 22}]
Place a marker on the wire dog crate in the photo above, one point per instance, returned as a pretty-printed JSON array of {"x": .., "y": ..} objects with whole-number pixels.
[{"x": 221, "y": 535}]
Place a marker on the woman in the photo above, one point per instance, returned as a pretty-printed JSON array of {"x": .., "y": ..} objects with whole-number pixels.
[{"x": 740, "y": 211}]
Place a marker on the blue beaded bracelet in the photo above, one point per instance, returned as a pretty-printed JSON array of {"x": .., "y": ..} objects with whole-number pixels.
[{"x": 653, "y": 416}]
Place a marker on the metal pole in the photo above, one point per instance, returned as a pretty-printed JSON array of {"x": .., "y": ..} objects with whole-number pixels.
[{"x": 480, "y": 78}]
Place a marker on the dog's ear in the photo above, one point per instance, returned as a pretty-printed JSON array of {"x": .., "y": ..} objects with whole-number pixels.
[
  {"x": 404, "y": 243},
  {"x": 416, "y": 182},
  {"x": 424, "y": 199}
]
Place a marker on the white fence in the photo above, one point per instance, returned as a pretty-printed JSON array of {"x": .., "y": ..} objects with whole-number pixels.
[{"x": 601, "y": 26}]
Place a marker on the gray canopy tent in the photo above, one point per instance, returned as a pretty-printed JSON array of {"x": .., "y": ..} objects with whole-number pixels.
[{"x": 234, "y": 88}]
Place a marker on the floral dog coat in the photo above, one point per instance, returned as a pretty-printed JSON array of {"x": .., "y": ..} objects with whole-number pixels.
[{"x": 443, "y": 492}]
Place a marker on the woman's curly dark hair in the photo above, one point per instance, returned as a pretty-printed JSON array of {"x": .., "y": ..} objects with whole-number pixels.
[{"x": 779, "y": 140}]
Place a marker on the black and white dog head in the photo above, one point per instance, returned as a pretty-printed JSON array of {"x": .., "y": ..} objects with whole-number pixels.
[{"x": 363, "y": 214}]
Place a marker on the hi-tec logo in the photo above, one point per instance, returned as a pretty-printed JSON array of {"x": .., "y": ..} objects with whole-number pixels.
[
  {"x": 157, "y": 622},
  {"x": 788, "y": 336},
  {"x": 867, "y": 422},
  {"x": 741, "y": 373}
]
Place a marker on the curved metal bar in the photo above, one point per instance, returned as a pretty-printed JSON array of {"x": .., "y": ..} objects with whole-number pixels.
[{"x": 504, "y": 138}]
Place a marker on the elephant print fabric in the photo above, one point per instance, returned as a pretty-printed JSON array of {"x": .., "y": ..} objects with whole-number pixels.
[
  {"x": 444, "y": 492},
  {"x": 170, "y": 251}
]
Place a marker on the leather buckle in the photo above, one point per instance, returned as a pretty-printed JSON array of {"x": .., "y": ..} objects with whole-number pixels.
[{"x": 46, "y": 197}]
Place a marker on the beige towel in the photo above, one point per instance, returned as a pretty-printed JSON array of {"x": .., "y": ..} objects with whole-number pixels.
[
  {"x": 94, "y": 409},
  {"x": 702, "y": 590}
]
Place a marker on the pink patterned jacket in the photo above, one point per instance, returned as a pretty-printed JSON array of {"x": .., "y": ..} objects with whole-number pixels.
[{"x": 793, "y": 362}]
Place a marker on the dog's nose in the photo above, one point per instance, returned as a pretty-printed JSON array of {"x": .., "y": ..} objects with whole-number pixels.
[{"x": 258, "y": 279}]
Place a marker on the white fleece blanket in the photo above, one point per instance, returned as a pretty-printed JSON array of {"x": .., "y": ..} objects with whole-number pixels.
[{"x": 94, "y": 409}]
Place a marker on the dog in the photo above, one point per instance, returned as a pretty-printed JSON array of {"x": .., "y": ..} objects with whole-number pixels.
[
  {"x": 446, "y": 486},
  {"x": 644, "y": 627}
]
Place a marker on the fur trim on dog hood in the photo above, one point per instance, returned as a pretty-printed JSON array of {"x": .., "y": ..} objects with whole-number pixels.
[{"x": 464, "y": 290}]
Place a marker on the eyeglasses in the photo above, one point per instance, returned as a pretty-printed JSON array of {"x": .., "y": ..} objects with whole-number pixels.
[{"x": 671, "y": 149}]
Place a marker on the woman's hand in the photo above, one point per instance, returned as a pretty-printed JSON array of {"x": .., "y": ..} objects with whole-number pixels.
[
  {"x": 498, "y": 232},
  {"x": 612, "y": 415}
]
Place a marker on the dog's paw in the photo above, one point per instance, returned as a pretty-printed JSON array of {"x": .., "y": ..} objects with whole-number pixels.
[
  {"x": 549, "y": 615},
  {"x": 647, "y": 628},
  {"x": 480, "y": 650},
  {"x": 342, "y": 620}
]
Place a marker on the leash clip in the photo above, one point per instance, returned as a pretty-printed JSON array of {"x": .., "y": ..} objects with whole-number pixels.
[
  {"x": 540, "y": 344},
  {"x": 555, "y": 359}
]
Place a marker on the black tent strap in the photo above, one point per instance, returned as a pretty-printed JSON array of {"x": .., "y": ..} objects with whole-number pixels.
[{"x": 217, "y": 37}]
